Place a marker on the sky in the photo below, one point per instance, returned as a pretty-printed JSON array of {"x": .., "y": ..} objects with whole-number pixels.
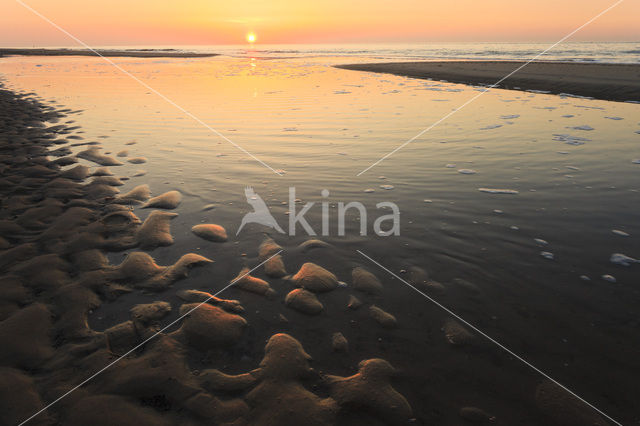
[{"x": 207, "y": 22}]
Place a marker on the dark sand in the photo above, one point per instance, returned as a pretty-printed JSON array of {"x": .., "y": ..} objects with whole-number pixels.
[
  {"x": 613, "y": 82},
  {"x": 143, "y": 53}
]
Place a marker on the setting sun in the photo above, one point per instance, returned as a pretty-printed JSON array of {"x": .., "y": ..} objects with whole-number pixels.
[{"x": 251, "y": 38}]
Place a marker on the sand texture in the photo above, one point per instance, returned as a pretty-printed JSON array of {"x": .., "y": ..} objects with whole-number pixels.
[
  {"x": 615, "y": 82},
  {"x": 85, "y": 281}
]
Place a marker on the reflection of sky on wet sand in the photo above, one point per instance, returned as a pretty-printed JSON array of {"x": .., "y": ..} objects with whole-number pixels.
[{"x": 324, "y": 125}]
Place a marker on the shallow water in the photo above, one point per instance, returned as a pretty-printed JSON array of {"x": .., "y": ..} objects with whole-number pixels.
[
  {"x": 548, "y": 169},
  {"x": 603, "y": 52}
]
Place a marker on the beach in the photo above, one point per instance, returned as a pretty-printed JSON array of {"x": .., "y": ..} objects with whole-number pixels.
[
  {"x": 614, "y": 82},
  {"x": 121, "y": 241},
  {"x": 55, "y": 273}
]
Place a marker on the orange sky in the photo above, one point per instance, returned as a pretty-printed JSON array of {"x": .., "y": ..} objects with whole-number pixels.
[{"x": 154, "y": 22}]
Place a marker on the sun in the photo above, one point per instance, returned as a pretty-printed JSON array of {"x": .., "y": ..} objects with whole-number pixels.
[{"x": 251, "y": 38}]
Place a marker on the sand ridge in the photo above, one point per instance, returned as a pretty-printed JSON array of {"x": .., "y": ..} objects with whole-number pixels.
[{"x": 615, "y": 82}]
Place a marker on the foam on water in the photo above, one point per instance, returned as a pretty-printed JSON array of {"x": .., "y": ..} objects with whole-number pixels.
[
  {"x": 584, "y": 127},
  {"x": 491, "y": 127},
  {"x": 620, "y": 233},
  {"x": 498, "y": 191},
  {"x": 622, "y": 259},
  {"x": 570, "y": 140},
  {"x": 547, "y": 255}
]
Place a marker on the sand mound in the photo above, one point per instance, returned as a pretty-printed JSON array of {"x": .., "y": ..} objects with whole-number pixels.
[
  {"x": 210, "y": 232},
  {"x": 181, "y": 268},
  {"x": 268, "y": 248},
  {"x": 365, "y": 281},
  {"x": 304, "y": 301},
  {"x": 212, "y": 410},
  {"x": 89, "y": 260},
  {"x": 137, "y": 160},
  {"x": 274, "y": 267},
  {"x": 120, "y": 220},
  {"x": 159, "y": 375},
  {"x": 339, "y": 343},
  {"x": 79, "y": 172},
  {"x": 107, "y": 180},
  {"x": 280, "y": 399},
  {"x": 370, "y": 389},
  {"x": 315, "y": 278},
  {"x": 140, "y": 270},
  {"x": 25, "y": 337},
  {"x": 251, "y": 284},
  {"x": 419, "y": 278},
  {"x": 65, "y": 161},
  {"x": 19, "y": 399},
  {"x": 93, "y": 154},
  {"x": 95, "y": 191},
  {"x": 312, "y": 244},
  {"x": 456, "y": 334},
  {"x": 150, "y": 313},
  {"x": 208, "y": 327},
  {"x": 383, "y": 318},
  {"x": 137, "y": 195},
  {"x": 156, "y": 230},
  {"x": 39, "y": 216},
  {"x": 102, "y": 171},
  {"x": 72, "y": 304},
  {"x": 285, "y": 359},
  {"x": 68, "y": 223},
  {"x": 136, "y": 267},
  {"x": 14, "y": 295},
  {"x": 168, "y": 200},
  {"x": 216, "y": 380},
  {"x": 353, "y": 302},
  {"x": 122, "y": 337},
  {"x": 197, "y": 296}
]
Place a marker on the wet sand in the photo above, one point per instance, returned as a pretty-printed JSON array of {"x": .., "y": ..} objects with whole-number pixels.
[
  {"x": 144, "y": 53},
  {"x": 614, "y": 82},
  {"x": 57, "y": 227},
  {"x": 246, "y": 360}
]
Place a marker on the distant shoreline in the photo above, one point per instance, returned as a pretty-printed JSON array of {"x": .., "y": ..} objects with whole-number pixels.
[
  {"x": 613, "y": 82},
  {"x": 130, "y": 53}
]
